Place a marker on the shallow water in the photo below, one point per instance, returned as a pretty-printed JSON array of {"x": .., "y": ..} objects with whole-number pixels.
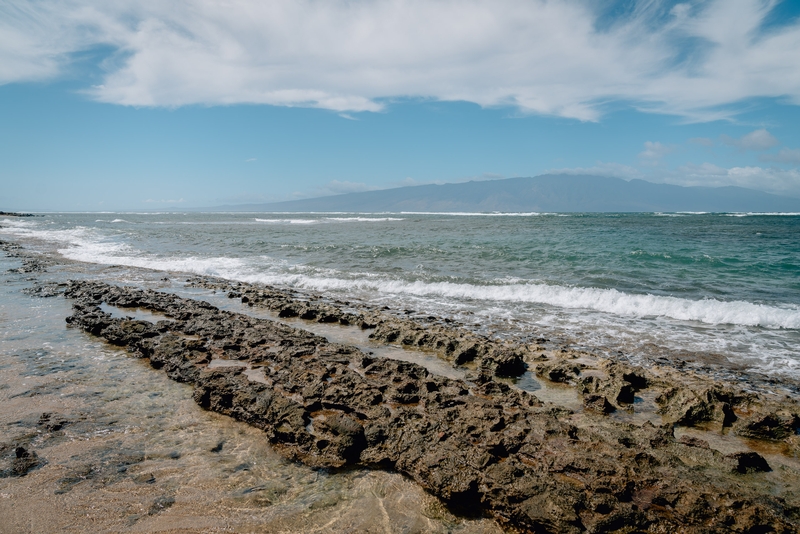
[{"x": 123, "y": 448}]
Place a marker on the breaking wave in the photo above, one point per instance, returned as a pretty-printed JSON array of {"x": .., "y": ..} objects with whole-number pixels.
[{"x": 88, "y": 245}]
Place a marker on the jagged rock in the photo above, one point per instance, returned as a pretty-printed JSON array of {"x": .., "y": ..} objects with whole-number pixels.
[
  {"x": 684, "y": 406},
  {"x": 559, "y": 371},
  {"x": 50, "y": 289},
  {"x": 774, "y": 426},
  {"x": 458, "y": 346},
  {"x": 598, "y": 403},
  {"x": 481, "y": 447},
  {"x": 618, "y": 387},
  {"x": 749, "y": 462},
  {"x": 22, "y": 461}
]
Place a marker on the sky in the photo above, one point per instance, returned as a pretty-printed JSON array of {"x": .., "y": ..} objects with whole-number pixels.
[{"x": 140, "y": 104}]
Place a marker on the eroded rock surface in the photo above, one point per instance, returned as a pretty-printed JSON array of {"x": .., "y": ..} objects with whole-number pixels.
[
  {"x": 481, "y": 446},
  {"x": 456, "y": 345}
]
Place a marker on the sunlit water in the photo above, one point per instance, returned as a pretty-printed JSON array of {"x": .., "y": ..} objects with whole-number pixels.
[{"x": 725, "y": 285}]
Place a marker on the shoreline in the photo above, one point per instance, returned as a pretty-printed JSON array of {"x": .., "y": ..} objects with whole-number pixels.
[{"x": 690, "y": 403}]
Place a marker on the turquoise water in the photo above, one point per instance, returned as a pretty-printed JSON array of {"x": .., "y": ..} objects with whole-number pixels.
[{"x": 717, "y": 284}]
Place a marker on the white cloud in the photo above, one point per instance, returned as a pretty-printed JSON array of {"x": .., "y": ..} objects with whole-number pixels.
[
  {"x": 407, "y": 182},
  {"x": 756, "y": 140},
  {"x": 654, "y": 151},
  {"x": 614, "y": 170},
  {"x": 773, "y": 180},
  {"x": 542, "y": 57},
  {"x": 785, "y": 155}
]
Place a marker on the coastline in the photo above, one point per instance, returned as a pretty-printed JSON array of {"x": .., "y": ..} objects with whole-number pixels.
[{"x": 617, "y": 408}]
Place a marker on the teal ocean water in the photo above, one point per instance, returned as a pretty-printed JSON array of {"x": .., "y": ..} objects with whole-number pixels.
[{"x": 721, "y": 285}]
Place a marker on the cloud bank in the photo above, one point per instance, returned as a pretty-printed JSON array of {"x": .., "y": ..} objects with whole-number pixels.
[{"x": 568, "y": 59}]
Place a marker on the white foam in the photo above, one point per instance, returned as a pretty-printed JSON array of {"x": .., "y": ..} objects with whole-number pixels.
[
  {"x": 364, "y": 219},
  {"x": 17, "y": 223},
  {"x": 88, "y": 245},
  {"x": 764, "y": 214},
  {"x": 289, "y": 221},
  {"x": 326, "y": 220},
  {"x": 709, "y": 311},
  {"x": 477, "y": 214}
]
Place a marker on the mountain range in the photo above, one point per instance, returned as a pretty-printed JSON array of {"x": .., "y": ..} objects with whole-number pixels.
[{"x": 545, "y": 193}]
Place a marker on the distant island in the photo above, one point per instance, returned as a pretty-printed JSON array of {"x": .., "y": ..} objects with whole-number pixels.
[{"x": 546, "y": 193}]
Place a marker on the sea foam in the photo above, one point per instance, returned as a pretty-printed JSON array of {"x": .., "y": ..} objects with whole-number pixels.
[
  {"x": 709, "y": 311},
  {"x": 88, "y": 245}
]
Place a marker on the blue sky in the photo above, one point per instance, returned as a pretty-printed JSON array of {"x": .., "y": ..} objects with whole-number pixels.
[{"x": 149, "y": 105}]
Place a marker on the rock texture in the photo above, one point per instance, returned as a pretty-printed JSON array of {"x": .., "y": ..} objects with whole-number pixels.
[
  {"x": 456, "y": 345},
  {"x": 481, "y": 446}
]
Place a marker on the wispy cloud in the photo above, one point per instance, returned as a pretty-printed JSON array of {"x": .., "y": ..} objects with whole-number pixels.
[
  {"x": 773, "y": 180},
  {"x": 162, "y": 201},
  {"x": 702, "y": 141},
  {"x": 785, "y": 155},
  {"x": 335, "y": 187},
  {"x": 770, "y": 179},
  {"x": 567, "y": 59},
  {"x": 757, "y": 140},
  {"x": 615, "y": 170},
  {"x": 249, "y": 160},
  {"x": 654, "y": 151}
]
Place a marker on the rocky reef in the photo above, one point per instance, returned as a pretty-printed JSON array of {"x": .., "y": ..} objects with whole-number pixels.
[
  {"x": 480, "y": 445},
  {"x": 16, "y": 214}
]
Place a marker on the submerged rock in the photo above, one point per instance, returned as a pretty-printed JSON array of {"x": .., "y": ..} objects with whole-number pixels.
[{"x": 18, "y": 461}]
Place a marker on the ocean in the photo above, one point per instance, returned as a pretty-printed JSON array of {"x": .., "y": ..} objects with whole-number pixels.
[{"x": 719, "y": 287}]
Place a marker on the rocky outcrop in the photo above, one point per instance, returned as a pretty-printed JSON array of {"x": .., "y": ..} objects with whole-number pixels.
[
  {"x": 456, "y": 345},
  {"x": 17, "y": 461},
  {"x": 15, "y": 214},
  {"x": 481, "y": 446},
  {"x": 688, "y": 407}
]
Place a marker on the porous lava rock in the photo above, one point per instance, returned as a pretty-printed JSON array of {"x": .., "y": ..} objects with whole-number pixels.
[{"x": 481, "y": 446}]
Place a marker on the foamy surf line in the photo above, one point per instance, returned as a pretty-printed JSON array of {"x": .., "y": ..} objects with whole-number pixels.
[
  {"x": 478, "y": 213},
  {"x": 709, "y": 311},
  {"x": 86, "y": 246},
  {"x": 325, "y": 220}
]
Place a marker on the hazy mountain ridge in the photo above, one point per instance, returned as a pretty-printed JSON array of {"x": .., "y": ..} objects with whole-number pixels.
[{"x": 546, "y": 193}]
